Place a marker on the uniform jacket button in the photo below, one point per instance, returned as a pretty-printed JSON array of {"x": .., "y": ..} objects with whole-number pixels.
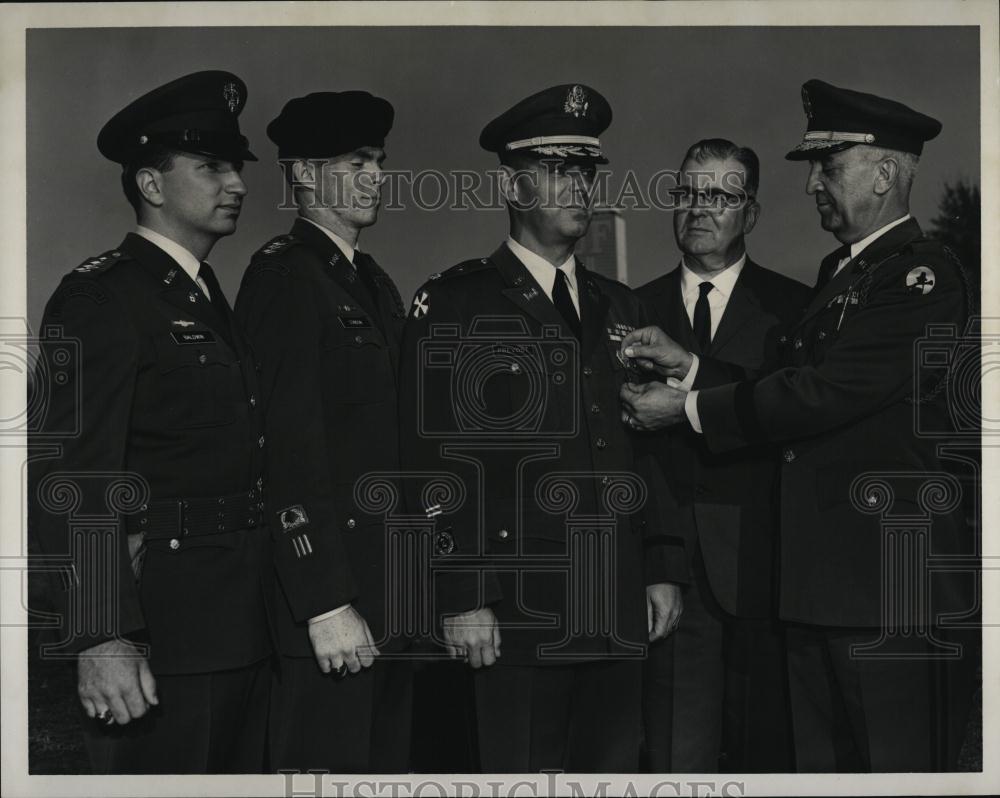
[
  {"x": 587, "y": 371},
  {"x": 351, "y": 523},
  {"x": 260, "y": 442},
  {"x": 175, "y": 544},
  {"x": 821, "y": 335},
  {"x": 203, "y": 358},
  {"x": 601, "y": 443},
  {"x": 797, "y": 343},
  {"x": 789, "y": 455},
  {"x": 595, "y": 408},
  {"x": 253, "y": 401},
  {"x": 503, "y": 533},
  {"x": 605, "y": 480}
]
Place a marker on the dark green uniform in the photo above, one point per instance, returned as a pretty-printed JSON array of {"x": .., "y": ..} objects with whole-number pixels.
[
  {"x": 552, "y": 526},
  {"x": 165, "y": 455},
  {"x": 854, "y": 463},
  {"x": 327, "y": 337}
]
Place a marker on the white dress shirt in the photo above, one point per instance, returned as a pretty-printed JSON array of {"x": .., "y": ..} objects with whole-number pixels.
[
  {"x": 188, "y": 262},
  {"x": 545, "y": 273},
  {"x": 691, "y": 400},
  {"x": 722, "y": 288},
  {"x": 346, "y": 248}
]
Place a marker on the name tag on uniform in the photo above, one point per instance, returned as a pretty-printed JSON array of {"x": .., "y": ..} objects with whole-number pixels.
[
  {"x": 194, "y": 337},
  {"x": 355, "y": 322}
]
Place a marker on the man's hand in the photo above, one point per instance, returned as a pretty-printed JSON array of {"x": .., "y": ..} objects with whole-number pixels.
[
  {"x": 664, "y": 606},
  {"x": 474, "y": 635},
  {"x": 654, "y": 350},
  {"x": 115, "y": 676},
  {"x": 652, "y": 405},
  {"x": 343, "y": 639}
]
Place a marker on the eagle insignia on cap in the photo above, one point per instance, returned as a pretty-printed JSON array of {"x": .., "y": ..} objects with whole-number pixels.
[
  {"x": 576, "y": 101},
  {"x": 231, "y": 94},
  {"x": 806, "y": 104}
]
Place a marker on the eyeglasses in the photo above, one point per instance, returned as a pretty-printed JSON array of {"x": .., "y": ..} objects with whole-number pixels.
[{"x": 712, "y": 200}]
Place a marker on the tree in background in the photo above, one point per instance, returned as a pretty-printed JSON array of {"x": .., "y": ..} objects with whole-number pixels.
[{"x": 958, "y": 226}]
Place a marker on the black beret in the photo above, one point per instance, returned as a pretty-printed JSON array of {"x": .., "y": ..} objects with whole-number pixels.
[
  {"x": 330, "y": 123},
  {"x": 840, "y": 118},
  {"x": 559, "y": 122},
  {"x": 197, "y": 113}
]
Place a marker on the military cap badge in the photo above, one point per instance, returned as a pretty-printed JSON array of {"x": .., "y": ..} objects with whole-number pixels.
[
  {"x": 231, "y": 94},
  {"x": 576, "y": 101}
]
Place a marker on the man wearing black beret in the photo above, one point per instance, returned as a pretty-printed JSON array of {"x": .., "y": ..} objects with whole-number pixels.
[
  {"x": 154, "y": 503},
  {"x": 325, "y": 322},
  {"x": 552, "y": 572},
  {"x": 863, "y": 498}
]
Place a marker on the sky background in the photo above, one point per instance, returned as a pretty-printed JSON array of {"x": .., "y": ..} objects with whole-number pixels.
[{"x": 667, "y": 86}]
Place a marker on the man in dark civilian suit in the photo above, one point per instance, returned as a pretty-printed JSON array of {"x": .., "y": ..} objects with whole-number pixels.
[{"x": 718, "y": 686}]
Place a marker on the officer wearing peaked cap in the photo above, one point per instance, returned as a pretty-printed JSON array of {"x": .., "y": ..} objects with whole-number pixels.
[
  {"x": 865, "y": 696},
  {"x": 325, "y": 322},
  {"x": 552, "y": 690},
  {"x": 172, "y": 643}
]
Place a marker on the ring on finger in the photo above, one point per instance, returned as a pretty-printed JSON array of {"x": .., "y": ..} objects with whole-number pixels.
[{"x": 106, "y": 717}]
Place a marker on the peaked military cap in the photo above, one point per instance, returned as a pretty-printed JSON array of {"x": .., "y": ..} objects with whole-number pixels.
[
  {"x": 840, "y": 118},
  {"x": 198, "y": 113},
  {"x": 329, "y": 123},
  {"x": 559, "y": 122}
]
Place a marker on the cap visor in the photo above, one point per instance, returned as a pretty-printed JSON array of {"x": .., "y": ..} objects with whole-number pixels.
[{"x": 810, "y": 150}]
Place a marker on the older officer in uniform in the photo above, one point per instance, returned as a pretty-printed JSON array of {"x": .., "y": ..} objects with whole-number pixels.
[
  {"x": 547, "y": 580},
  {"x": 718, "y": 683},
  {"x": 169, "y": 625},
  {"x": 325, "y": 322},
  {"x": 844, "y": 407}
]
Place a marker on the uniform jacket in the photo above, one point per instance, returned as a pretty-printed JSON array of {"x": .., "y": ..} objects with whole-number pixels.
[
  {"x": 726, "y": 499},
  {"x": 504, "y": 397},
  {"x": 158, "y": 383},
  {"x": 844, "y": 407},
  {"x": 328, "y": 355}
]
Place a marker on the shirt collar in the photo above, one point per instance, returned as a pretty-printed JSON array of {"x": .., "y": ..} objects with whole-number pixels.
[
  {"x": 858, "y": 246},
  {"x": 723, "y": 282},
  {"x": 543, "y": 271},
  {"x": 342, "y": 245},
  {"x": 188, "y": 262}
]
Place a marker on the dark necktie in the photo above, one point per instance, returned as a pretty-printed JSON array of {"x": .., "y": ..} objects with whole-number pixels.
[
  {"x": 363, "y": 264},
  {"x": 564, "y": 303},
  {"x": 829, "y": 267},
  {"x": 703, "y": 318},
  {"x": 218, "y": 299}
]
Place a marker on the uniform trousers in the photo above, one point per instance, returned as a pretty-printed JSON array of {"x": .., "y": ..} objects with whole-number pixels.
[
  {"x": 852, "y": 714},
  {"x": 205, "y": 723},
  {"x": 715, "y": 695},
  {"x": 357, "y": 723},
  {"x": 582, "y": 718}
]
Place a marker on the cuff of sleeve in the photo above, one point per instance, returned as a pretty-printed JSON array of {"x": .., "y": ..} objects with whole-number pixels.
[
  {"x": 330, "y": 614},
  {"x": 688, "y": 382},
  {"x": 691, "y": 409}
]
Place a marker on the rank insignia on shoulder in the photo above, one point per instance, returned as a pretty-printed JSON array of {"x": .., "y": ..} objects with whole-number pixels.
[
  {"x": 421, "y": 305},
  {"x": 98, "y": 263},
  {"x": 276, "y": 245},
  {"x": 920, "y": 280},
  {"x": 292, "y": 517},
  {"x": 435, "y": 276}
]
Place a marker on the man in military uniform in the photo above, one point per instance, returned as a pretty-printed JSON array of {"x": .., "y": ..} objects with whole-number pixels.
[
  {"x": 543, "y": 553},
  {"x": 167, "y": 612},
  {"x": 718, "y": 683},
  {"x": 325, "y": 322},
  {"x": 844, "y": 409}
]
